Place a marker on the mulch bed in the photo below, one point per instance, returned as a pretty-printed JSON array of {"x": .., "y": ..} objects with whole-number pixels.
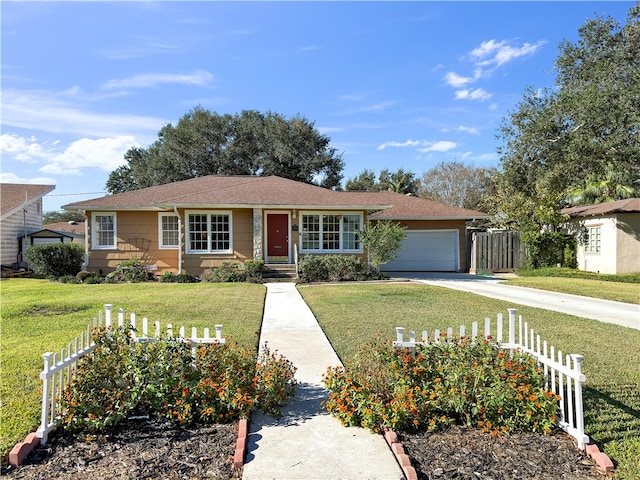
[
  {"x": 151, "y": 450},
  {"x": 138, "y": 450},
  {"x": 462, "y": 453}
]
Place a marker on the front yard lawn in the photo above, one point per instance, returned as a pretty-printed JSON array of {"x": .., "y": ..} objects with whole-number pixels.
[
  {"x": 352, "y": 314},
  {"x": 40, "y": 316},
  {"x": 619, "y": 288}
]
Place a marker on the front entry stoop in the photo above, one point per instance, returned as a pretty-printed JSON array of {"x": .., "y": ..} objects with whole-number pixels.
[{"x": 279, "y": 272}]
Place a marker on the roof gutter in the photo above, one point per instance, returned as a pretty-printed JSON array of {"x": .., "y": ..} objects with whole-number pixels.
[{"x": 175, "y": 209}]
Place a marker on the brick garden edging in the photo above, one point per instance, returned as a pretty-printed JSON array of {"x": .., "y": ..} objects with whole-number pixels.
[
  {"x": 402, "y": 458},
  {"x": 602, "y": 460},
  {"x": 21, "y": 450}
]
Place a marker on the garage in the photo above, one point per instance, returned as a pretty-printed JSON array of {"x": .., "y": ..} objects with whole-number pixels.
[{"x": 427, "y": 251}]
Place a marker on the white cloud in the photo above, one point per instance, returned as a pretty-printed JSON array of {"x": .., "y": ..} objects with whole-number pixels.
[
  {"x": 148, "y": 80},
  {"x": 477, "y": 94},
  {"x": 21, "y": 148},
  {"x": 440, "y": 146},
  {"x": 107, "y": 154},
  {"x": 464, "y": 129},
  {"x": 496, "y": 53},
  {"x": 7, "y": 177},
  {"x": 456, "y": 80},
  {"x": 56, "y": 112},
  {"x": 104, "y": 153},
  {"x": 408, "y": 143}
]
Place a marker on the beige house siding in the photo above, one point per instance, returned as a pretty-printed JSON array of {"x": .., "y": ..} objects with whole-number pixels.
[
  {"x": 23, "y": 221},
  {"x": 628, "y": 243},
  {"x": 242, "y": 224},
  {"x": 458, "y": 225}
]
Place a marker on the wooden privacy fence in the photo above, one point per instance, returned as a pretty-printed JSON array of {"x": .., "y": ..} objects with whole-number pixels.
[
  {"x": 563, "y": 373},
  {"x": 59, "y": 369},
  {"x": 495, "y": 251}
]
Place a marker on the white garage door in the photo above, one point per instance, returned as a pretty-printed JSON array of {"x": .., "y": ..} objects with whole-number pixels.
[{"x": 427, "y": 251}]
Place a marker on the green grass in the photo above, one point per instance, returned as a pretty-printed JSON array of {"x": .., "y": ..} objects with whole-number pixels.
[
  {"x": 619, "y": 288},
  {"x": 40, "y": 316},
  {"x": 351, "y": 314}
]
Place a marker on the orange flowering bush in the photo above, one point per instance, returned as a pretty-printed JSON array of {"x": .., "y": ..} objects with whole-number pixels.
[
  {"x": 441, "y": 384},
  {"x": 169, "y": 378}
]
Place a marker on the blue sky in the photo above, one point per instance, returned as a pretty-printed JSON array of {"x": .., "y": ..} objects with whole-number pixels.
[{"x": 393, "y": 84}]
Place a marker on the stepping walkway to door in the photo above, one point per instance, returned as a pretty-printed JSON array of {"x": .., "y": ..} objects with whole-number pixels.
[{"x": 307, "y": 442}]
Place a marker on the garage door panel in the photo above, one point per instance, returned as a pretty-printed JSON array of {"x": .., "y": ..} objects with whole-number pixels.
[{"x": 427, "y": 251}]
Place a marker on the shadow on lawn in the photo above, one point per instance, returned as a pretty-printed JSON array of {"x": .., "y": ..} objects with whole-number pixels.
[{"x": 612, "y": 412}]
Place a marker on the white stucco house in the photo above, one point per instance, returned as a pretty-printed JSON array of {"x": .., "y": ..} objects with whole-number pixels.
[{"x": 608, "y": 236}]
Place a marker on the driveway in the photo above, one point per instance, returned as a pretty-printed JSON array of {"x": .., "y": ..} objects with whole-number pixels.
[{"x": 624, "y": 314}]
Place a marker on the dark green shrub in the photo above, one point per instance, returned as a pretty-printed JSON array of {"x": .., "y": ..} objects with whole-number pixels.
[
  {"x": 133, "y": 271},
  {"x": 227, "y": 272},
  {"x": 66, "y": 279},
  {"x": 87, "y": 277},
  {"x": 546, "y": 249},
  {"x": 334, "y": 268},
  {"x": 312, "y": 268},
  {"x": 55, "y": 259},
  {"x": 170, "y": 277},
  {"x": 253, "y": 269}
]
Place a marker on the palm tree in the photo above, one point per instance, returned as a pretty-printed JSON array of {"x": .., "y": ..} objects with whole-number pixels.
[{"x": 615, "y": 185}]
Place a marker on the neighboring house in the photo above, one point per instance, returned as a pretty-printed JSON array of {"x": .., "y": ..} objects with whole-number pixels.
[
  {"x": 197, "y": 224},
  {"x": 21, "y": 215},
  {"x": 60, "y": 232},
  {"x": 608, "y": 236}
]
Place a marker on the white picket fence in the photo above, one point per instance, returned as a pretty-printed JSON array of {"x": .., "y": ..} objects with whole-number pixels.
[
  {"x": 563, "y": 373},
  {"x": 59, "y": 368}
]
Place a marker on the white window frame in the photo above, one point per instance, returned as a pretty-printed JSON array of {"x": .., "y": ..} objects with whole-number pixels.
[
  {"x": 208, "y": 213},
  {"x": 161, "y": 230},
  {"x": 593, "y": 243},
  {"x": 95, "y": 231},
  {"x": 341, "y": 233}
]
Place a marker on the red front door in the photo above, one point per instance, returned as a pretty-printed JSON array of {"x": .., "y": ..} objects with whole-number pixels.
[{"x": 278, "y": 237}]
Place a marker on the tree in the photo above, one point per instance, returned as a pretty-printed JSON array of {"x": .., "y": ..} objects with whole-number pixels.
[
  {"x": 364, "y": 182},
  {"x": 400, "y": 181},
  {"x": 249, "y": 143},
  {"x": 457, "y": 184},
  {"x": 55, "y": 217},
  {"x": 586, "y": 125},
  {"x": 614, "y": 186},
  {"x": 382, "y": 240}
]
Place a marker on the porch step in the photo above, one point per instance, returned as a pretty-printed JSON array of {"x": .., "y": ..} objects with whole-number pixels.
[{"x": 276, "y": 272}]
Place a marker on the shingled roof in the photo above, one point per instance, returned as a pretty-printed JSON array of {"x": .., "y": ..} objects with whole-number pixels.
[
  {"x": 270, "y": 192},
  {"x": 13, "y": 196},
  {"x": 630, "y": 205}
]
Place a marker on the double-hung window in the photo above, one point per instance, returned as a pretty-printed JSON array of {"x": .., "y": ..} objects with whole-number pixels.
[
  {"x": 331, "y": 233},
  {"x": 592, "y": 244},
  {"x": 209, "y": 232},
  {"x": 169, "y": 230},
  {"x": 104, "y": 231}
]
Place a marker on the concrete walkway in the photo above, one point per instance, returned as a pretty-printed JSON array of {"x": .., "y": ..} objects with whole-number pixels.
[
  {"x": 624, "y": 314},
  {"x": 308, "y": 443}
]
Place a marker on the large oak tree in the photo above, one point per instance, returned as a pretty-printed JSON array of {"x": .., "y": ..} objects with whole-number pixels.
[
  {"x": 585, "y": 130},
  {"x": 249, "y": 143}
]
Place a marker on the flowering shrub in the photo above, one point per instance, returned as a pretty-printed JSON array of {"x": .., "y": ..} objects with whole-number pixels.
[
  {"x": 464, "y": 383},
  {"x": 171, "y": 379}
]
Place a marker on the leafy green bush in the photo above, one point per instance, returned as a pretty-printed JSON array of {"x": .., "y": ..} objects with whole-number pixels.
[
  {"x": 546, "y": 249},
  {"x": 333, "y": 268},
  {"x": 133, "y": 271},
  {"x": 476, "y": 385},
  {"x": 573, "y": 273},
  {"x": 253, "y": 269},
  {"x": 55, "y": 259},
  {"x": 170, "y": 277},
  {"x": 312, "y": 268},
  {"x": 227, "y": 272},
  {"x": 163, "y": 379}
]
